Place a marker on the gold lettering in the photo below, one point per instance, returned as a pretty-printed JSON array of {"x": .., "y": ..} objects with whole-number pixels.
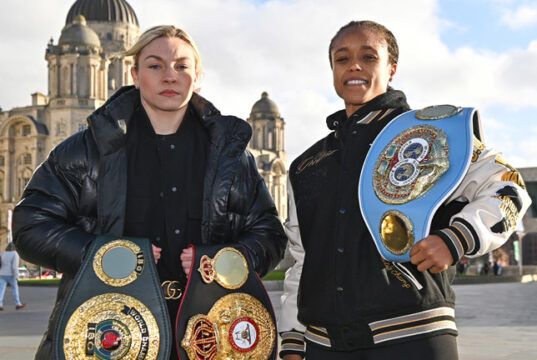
[
  {"x": 314, "y": 160},
  {"x": 396, "y": 274}
]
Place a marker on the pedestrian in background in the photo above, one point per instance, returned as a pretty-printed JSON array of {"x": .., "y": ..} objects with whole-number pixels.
[
  {"x": 9, "y": 274},
  {"x": 486, "y": 267}
]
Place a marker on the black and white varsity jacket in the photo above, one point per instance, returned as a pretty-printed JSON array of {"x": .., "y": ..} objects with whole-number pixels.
[{"x": 340, "y": 293}]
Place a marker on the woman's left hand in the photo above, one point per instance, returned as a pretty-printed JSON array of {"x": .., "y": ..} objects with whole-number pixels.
[
  {"x": 431, "y": 254},
  {"x": 186, "y": 260}
]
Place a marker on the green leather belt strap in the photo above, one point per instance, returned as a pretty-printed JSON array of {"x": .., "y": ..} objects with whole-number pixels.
[{"x": 115, "y": 308}]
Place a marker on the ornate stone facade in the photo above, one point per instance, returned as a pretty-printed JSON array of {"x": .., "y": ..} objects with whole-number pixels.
[
  {"x": 267, "y": 145},
  {"x": 83, "y": 71}
]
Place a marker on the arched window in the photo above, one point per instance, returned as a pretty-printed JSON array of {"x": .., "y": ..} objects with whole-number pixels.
[
  {"x": 27, "y": 159},
  {"x": 66, "y": 81},
  {"x": 2, "y": 184},
  {"x": 22, "y": 180},
  {"x": 270, "y": 140},
  {"x": 259, "y": 144}
]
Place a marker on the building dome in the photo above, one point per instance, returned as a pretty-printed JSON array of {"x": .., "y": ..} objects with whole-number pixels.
[
  {"x": 265, "y": 106},
  {"x": 78, "y": 33},
  {"x": 103, "y": 10}
]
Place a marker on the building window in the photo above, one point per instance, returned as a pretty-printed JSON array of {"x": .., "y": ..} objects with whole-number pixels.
[
  {"x": 60, "y": 128},
  {"x": 270, "y": 141},
  {"x": 22, "y": 183},
  {"x": 259, "y": 144},
  {"x": 26, "y": 130},
  {"x": 22, "y": 180},
  {"x": 27, "y": 159},
  {"x": 2, "y": 161},
  {"x": 531, "y": 187}
]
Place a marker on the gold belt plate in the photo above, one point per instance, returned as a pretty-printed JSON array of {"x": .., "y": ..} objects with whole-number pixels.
[
  {"x": 118, "y": 263},
  {"x": 238, "y": 327},
  {"x": 111, "y": 326},
  {"x": 228, "y": 268},
  {"x": 411, "y": 164}
]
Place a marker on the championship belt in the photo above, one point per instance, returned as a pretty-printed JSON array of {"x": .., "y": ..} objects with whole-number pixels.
[
  {"x": 115, "y": 308},
  {"x": 412, "y": 167},
  {"x": 225, "y": 312}
]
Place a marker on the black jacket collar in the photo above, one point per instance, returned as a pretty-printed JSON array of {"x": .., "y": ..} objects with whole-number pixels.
[
  {"x": 110, "y": 122},
  {"x": 388, "y": 100}
]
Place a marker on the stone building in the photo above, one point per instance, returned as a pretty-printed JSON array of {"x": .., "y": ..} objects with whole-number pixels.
[
  {"x": 267, "y": 145},
  {"x": 83, "y": 71},
  {"x": 529, "y": 236}
]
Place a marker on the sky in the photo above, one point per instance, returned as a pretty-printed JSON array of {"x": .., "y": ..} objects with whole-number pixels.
[{"x": 472, "y": 53}]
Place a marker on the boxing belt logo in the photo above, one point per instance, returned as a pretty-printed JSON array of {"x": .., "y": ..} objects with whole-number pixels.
[
  {"x": 235, "y": 319},
  {"x": 413, "y": 165},
  {"x": 238, "y": 326}
]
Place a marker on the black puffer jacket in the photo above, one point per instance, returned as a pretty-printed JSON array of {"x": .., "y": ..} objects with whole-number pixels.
[{"x": 80, "y": 192}]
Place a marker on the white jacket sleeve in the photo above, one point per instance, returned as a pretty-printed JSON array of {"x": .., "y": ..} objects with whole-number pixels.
[
  {"x": 291, "y": 330},
  {"x": 497, "y": 200}
]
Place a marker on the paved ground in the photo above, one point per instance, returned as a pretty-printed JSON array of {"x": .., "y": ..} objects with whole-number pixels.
[{"x": 496, "y": 321}]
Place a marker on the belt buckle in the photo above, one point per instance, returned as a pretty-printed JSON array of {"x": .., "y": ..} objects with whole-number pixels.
[{"x": 171, "y": 289}]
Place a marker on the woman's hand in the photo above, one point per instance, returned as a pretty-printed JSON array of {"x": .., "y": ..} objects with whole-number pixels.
[
  {"x": 156, "y": 253},
  {"x": 292, "y": 357},
  {"x": 431, "y": 254},
  {"x": 186, "y": 260}
]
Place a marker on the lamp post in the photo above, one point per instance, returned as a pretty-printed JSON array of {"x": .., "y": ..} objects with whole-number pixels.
[
  {"x": 519, "y": 232},
  {"x": 520, "y": 255}
]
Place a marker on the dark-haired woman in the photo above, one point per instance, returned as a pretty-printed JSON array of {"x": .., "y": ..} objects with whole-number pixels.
[{"x": 341, "y": 299}]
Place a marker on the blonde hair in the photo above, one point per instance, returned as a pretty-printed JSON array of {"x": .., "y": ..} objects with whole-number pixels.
[{"x": 168, "y": 31}]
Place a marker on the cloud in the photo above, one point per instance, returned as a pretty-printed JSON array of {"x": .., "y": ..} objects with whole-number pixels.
[
  {"x": 25, "y": 29},
  {"x": 523, "y": 16},
  {"x": 526, "y": 152},
  {"x": 281, "y": 46}
]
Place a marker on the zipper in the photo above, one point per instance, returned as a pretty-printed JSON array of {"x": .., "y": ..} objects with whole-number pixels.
[{"x": 408, "y": 275}]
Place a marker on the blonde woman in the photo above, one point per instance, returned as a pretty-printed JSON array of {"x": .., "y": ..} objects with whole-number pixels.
[{"x": 157, "y": 161}]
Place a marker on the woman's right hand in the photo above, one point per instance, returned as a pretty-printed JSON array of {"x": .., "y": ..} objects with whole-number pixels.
[
  {"x": 156, "y": 253},
  {"x": 292, "y": 357},
  {"x": 186, "y": 259}
]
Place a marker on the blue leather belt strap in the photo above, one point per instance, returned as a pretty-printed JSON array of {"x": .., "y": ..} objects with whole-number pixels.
[{"x": 399, "y": 159}]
